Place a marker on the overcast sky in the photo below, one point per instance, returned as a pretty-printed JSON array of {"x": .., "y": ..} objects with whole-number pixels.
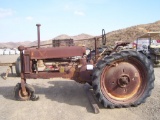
[{"x": 18, "y": 18}]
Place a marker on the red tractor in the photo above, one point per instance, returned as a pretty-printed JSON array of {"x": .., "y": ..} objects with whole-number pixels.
[{"x": 119, "y": 78}]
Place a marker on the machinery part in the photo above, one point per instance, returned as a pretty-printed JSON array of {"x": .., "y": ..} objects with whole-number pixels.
[
  {"x": 8, "y": 69},
  {"x": 38, "y": 34},
  {"x": 119, "y": 46},
  {"x": 62, "y": 42},
  {"x": 7, "y": 72},
  {"x": 103, "y": 37},
  {"x": 18, "y": 66},
  {"x": 123, "y": 79},
  {"x": 30, "y": 93},
  {"x": 92, "y": 101}
]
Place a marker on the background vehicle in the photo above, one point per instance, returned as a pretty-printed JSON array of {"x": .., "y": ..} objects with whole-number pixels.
[
  {"x": 12, "y": 52},
  {"x": 1, "y": 51},
  {"x": 147, "y": 45},
  {"x": 6, "y": 52},
  {"x": 119, "y": 78}
]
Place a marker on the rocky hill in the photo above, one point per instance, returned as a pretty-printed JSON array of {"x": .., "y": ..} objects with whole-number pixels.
[
  {"x": 128, "y": 34},
  {"x": 131, "y": 33}
]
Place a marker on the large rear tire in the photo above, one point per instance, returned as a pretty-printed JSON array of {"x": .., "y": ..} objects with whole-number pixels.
[
  {"x": 123, "y": 79},
  {"x": 18, "y": 66}
]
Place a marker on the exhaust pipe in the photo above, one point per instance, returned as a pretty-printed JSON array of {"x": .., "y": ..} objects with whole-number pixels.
[{"x": 38, "y": 34}]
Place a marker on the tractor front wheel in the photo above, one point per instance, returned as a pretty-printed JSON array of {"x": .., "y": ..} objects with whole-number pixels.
[{"x": 20, "y": 96}]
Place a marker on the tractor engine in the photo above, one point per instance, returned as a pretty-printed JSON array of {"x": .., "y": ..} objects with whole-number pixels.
[{"x": 66, "y": 62}]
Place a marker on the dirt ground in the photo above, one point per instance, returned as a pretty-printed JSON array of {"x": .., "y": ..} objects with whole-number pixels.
[{"x": 62, "y": 99}]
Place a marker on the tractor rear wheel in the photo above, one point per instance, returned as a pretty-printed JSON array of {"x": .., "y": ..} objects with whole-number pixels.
[
  {"x": 123, "y": 79},
  {"x": 18, "y": 66}
]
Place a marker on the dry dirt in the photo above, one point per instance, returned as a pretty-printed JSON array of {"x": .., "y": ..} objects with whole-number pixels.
[{"x": 62, "y": 99}]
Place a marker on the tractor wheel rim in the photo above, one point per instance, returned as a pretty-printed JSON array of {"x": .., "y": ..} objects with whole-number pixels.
[
  {"x": 24, "y": 97},
  {"x": 123, "y": 81}
]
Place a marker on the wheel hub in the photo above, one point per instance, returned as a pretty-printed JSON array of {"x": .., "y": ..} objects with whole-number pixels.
[{"x": 123, "y": 81}]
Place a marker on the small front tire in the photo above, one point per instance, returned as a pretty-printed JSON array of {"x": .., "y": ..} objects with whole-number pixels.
[{"x": 19, "y": 95}]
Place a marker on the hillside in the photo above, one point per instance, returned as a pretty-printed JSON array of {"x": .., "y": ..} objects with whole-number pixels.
[
  {"x": 14, "y": 44},
  {"x": 128, "y": 34},
  {"x": 63, "y": 36},
  {"x": 28, "y": 43},
  {"x": 131, "y": 33}
]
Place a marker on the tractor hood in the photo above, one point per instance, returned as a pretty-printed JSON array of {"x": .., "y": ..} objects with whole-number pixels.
[{"x": 56, "y": 52}]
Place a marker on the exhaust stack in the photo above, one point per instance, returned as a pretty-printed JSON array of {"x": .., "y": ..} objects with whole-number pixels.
[{"x": 38, "y": 34}]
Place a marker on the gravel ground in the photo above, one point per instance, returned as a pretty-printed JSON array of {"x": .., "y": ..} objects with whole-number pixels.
[{"x": 62, "y": 99}]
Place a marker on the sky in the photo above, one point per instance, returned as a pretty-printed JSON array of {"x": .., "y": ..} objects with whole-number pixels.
[{"x": 18, "y": 18}]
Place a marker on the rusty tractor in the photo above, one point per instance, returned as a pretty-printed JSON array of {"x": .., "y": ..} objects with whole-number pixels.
[{"x": 119, "y": 78}]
